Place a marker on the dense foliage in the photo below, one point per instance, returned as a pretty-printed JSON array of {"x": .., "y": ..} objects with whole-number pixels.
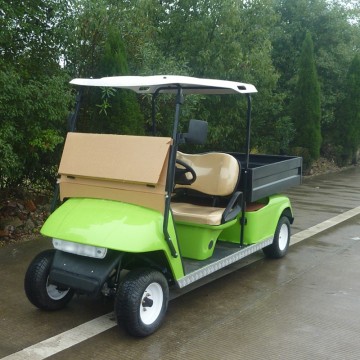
[
  {"x": 45, "y": 43},
  {"x": 306, "y": 111},
  {"x": 347, "y": 134},
  {"x": 34, "y": 96}
]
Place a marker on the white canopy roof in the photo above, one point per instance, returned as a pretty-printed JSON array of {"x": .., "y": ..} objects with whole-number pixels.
[{"x": 169, "y": 84}]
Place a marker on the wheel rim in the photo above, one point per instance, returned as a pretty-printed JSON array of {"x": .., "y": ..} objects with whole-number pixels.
[
  {"x": 283, "y": 237},
  {"x": 151, "y": 303},
  {"x": 54, "y": 292}
]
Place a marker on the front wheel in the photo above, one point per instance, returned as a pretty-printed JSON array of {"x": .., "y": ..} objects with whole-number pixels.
[
  {"x": 281, "y": 241},
  {"x": 141, "y": 301},
  {"x": 39, "y": 291}
]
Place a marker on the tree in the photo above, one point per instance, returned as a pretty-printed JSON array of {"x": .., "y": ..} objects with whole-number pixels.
[
  {"x": 34, "y": 97},
  {"x": 348, "y": 115},
  {"x": 335, "y": 33},
  {"x": 215, "y": 39},
  {"x": 32, "y": 35},
  {"x": 44, "y": 43},
  {"x": 306, "y": 112},
  {"x": 97, "y": 50}
]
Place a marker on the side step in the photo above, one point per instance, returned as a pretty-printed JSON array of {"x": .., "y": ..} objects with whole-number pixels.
[{"x": 223, "y": 256}]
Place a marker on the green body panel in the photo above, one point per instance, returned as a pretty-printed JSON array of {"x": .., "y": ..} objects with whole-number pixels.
[
  {"x": 260, "y": 224},
  {"x": 113, "y": 225},
  {"x": 198, "y": 241}
]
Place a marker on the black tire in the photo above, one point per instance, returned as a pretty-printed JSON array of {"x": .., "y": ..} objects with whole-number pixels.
[
  {"x": 141, "y": 301},
  {"x": 40, "y": 293},
  {"x": 280, "y": 245}
]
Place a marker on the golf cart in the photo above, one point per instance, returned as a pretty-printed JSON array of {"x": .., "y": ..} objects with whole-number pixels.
[{"x": 139, "y": 216}]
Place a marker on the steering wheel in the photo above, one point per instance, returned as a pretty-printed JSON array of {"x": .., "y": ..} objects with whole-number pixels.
[{"x": 180, "y": 174}]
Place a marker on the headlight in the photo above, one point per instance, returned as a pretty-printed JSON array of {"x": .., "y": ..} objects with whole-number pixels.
[{"x": 80, "y": 249}]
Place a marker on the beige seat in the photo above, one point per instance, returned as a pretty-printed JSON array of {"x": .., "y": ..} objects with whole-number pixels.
[{"x": 217, "y": 175}]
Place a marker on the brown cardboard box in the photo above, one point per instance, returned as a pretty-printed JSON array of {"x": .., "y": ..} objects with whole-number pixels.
[{"x": 116, "y": 167}]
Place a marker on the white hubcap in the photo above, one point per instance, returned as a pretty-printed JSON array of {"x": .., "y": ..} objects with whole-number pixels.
[
  {"x": 54, "y": 292},
  {"x": 283, "y": 237},
  {"x": 151, "y": 303}
]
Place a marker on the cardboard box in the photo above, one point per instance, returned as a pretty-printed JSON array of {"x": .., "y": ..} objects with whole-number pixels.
[{"x": 116, "y": 167}]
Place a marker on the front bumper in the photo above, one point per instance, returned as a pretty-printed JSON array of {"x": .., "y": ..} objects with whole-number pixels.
[{"x": 83, "y": 274}]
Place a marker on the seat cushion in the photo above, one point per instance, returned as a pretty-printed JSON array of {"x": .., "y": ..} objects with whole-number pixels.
[{"x": 207, "y": 215}]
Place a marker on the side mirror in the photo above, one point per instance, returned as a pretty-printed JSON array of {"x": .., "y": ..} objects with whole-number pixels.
[{"x": 197, "y": 133}]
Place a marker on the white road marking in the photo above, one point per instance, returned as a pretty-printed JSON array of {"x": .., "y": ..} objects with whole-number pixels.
[
  {"x": 63, "y": 341},
  {"x": 67, "y": 339},
  {"x": 327, "y": 224}
]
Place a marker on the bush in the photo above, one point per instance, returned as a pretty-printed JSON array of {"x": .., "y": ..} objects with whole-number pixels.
[
  {"x": 348, "y": 115},
  {"x": 33, "y": 126},
  {"x": 305, "y": 154},
  {"x": 306, "y": 105}
]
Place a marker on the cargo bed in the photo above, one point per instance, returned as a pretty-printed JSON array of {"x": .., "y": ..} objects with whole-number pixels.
[{"x": 268, "y": 174}]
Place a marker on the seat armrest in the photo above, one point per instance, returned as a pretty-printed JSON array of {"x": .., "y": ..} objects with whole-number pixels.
[{"x": 233, "y": 208}]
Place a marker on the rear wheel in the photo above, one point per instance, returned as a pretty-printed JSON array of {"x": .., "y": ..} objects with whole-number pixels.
[
  {"x": 39, "y": 291},
  {"x": 141, "y": 301},
  {"x": 281, "y": 242}
]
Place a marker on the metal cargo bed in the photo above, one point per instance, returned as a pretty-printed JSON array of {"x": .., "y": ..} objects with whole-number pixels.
[{"x": 268, "y": 174}]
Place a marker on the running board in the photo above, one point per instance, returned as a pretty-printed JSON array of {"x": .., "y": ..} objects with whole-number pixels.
[{"x": 236, "y": 255}]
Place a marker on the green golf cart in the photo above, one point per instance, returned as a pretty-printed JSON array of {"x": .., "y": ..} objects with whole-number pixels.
[{"x": 138, "y": 216}]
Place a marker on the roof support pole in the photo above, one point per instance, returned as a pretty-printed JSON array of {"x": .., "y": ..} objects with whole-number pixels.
[
  {"x": 248, "y": 128},
  {"x": 246, "y": 172},
  {"x": 171, "y": 171}
]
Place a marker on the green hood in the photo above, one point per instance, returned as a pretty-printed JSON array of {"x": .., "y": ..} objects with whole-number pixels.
[{"x": 111, "y": 224}]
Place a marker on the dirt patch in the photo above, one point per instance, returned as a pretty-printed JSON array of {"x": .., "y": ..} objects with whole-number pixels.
[
  {"x": 22, "y": 214},
  {"x": 322, "y": 166}
]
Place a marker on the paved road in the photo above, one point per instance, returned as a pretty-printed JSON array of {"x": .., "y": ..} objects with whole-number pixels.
[
  {"x": 325, "y": 196},
  {"x": 304, "y": 306}
]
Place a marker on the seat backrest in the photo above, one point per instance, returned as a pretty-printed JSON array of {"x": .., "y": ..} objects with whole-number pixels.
[{"x": 216, "y": 173}]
